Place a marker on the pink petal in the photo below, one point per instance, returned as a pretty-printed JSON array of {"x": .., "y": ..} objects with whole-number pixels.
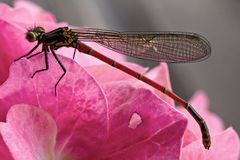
[
  {"x": 26, "y": 15},
  {"x": 13, "y": 15},
  {"x": 4, "y": 151},
  {"x": 189, "y": 137},
  {"x": 224, "y": 146},
  {"x": 160, "y": 74},
  {"x": 84, "y": 124},
  {"x": 10, "y": 48},
  {"x": 29, "y": 133},
  {"x": 18, "y": 88},
  {"x": 79, "y": 107},
  {"x": 81, "y": 134},
  {"x": 159, "y": 128},
  {"x": 21, "y": 88},
  {"x": 37, "y": 13},
  {"x": 215, "y": 123},
  {"x": 193, "y": 151},
  {"x": 105, "y": 73}
]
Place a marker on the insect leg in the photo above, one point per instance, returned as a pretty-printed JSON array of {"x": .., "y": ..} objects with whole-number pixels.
[
  {"x": 35, "y": 54},
  {"x": 34, "y": 48},
  {"x": 46, "y": 62},
  {"x": 63, "y": 68},
  {"x": 74, "y": 52}
]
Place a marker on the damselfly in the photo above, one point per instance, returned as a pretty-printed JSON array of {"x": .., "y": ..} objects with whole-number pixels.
[{"x": 156, "y": 46}]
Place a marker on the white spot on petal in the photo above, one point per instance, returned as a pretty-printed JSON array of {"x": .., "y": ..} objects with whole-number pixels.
[{"x": 134, "y": 121}]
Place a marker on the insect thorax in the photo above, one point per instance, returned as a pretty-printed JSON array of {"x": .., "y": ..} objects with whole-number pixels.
[{"x": 61, "y": 37}]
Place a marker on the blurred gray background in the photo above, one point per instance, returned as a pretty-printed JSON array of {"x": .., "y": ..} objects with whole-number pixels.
[{"x": 217, "y": 20}]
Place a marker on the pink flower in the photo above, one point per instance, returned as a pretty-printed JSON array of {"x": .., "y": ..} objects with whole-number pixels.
[
  {"x": 225, "y": 143},
  {"x": 118, "y": 122},
  {"x": 99, "y": 112}
]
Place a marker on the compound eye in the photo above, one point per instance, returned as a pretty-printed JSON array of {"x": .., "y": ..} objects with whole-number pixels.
[{"x": 31, "y": 36}]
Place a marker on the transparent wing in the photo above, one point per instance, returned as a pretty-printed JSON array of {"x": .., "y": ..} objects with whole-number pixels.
[{"x": 156, "y": 46}]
